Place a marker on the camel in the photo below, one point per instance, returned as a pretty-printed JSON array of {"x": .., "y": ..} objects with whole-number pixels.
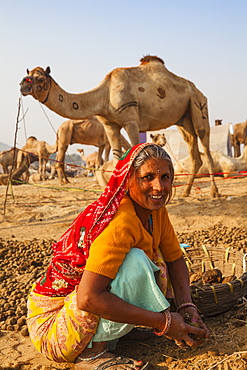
[
  {"x": 87, "y": 132},
  {"x": 158, "y": 139},
  {"x": 144, "y": 98},
  {"x": 7, "y": 158},
  {"x": 222, "y": 164},
  {"x": 18, "y": 172},
  {"x": 91, "y": 161},
  {"x": 239, "y": 136},
  {"x": 218, "y": 122},
  {"x": 39, "y": 148}
]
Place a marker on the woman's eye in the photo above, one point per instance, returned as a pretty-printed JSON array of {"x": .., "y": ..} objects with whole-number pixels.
[
  {"x": 166, "y": 176},
  {"x": 147, "y": 177}
]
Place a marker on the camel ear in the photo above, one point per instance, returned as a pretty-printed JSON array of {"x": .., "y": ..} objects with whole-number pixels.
[
  {"x": 27, "y": 71},
  {"x": 47, "y": 71}
]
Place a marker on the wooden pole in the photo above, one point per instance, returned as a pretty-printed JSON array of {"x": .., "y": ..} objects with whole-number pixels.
[{"x": 14, "y": 159}]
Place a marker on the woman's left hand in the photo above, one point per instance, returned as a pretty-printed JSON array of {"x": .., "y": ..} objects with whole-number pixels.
[{"x": 192, "y": 317}]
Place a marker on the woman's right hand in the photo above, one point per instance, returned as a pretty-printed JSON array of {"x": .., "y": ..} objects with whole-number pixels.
[{"x": 179, "y": 331}]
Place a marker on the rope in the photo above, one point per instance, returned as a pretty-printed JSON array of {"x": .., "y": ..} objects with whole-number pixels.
[{"x": 57, "y": 187}]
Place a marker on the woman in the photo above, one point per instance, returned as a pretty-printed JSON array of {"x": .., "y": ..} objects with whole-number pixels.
[{"x": 110, "y": 269}]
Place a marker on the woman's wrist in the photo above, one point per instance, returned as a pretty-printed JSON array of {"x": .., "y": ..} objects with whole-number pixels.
[
  {"x": 167, "y": 324},
  {"x": 185, "y": 305}
]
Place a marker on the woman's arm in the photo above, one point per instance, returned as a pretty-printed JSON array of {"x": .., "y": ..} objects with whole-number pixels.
[
  {"x": 179, "y": 276},
  {"x": 93, "y": 296}
]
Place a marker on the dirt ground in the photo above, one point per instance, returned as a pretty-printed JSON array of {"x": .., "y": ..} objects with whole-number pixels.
[{"x": 44, "y": 211}]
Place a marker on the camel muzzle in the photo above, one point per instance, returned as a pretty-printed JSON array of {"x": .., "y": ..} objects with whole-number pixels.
[{"x": 26, "y": 85}]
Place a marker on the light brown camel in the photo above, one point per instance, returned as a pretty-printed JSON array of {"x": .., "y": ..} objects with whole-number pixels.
[
  {"x": 158, "y": 139},
  {"x": 239, "y": 137},
  {"x": 39, "y": 148},
  {"x": 144, "y": 98},
  {"x": 87, "y": 132},
  {"x": 91, "y": 161},
  {"x": 222, "y": 164},
  {"x": 7, "y": 158}
]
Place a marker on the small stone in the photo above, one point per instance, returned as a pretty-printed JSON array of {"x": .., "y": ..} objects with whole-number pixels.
[
  {"x": 11, "y": 321},
  {"x": 17, "y": 327},
  {"x": 24, "y": 331},
  {"x": 21, "y": 321},
  {"x": 214, "y": 352}
]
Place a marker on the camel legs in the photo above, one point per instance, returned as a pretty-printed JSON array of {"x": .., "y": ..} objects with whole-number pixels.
[
  {"x": 59, "y": 165},
  {"x": 209, "y": 160},
  {"x": 236, "y": 149},
  {"x": 190, "y": 138},
  {"x": 100, "y": 153},
  {"x": 132, "y": 130},
  {"x": 113, "y": 133},
  {"x": 41, "y": 168},
  {"x": 107, "y": 152}
]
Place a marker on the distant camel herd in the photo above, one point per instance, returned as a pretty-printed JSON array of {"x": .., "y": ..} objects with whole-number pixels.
[
  {"x": 147, "y": 97},
  {"x": 91, "y": 132}
]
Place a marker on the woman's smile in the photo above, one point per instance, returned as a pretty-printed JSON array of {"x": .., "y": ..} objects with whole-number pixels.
[{"x": 150, "y": 186}]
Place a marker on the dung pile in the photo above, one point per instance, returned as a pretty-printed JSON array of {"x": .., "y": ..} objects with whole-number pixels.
[
  {"x": 235, "y": 237},
  {"x": 21, "y": 263}
]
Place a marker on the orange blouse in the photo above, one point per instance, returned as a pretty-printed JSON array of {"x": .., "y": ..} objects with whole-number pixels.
[{"x": 125, "y": 231}]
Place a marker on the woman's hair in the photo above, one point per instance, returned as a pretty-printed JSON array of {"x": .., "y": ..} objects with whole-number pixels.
[{"x": 153, "y": 151}]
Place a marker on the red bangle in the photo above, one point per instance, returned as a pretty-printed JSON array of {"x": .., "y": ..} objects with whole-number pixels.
[
  {"x": 186, "y": 304},
  {"x": 167, "y": 324}
]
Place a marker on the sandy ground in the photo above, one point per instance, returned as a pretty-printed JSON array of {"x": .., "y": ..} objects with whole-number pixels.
[{"x": 45, "y": 210}]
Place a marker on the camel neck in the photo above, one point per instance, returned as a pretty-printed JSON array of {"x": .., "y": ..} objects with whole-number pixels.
[{"x": 73, "y": 106}]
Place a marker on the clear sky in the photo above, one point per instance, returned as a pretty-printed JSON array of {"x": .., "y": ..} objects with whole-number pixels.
[{"x": 83, "y": 40}]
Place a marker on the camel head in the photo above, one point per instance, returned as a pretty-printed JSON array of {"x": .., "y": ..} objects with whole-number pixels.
[
  {"x": 37, "y": 83},
  {"x": 158, "y": 139}
]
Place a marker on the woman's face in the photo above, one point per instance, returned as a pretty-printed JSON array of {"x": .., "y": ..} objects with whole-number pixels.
[{"x": 151, "y": 184}]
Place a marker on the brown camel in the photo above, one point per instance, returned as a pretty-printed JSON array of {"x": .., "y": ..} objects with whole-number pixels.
[
  {"x": 218, "y": 122},
  {"x": 39, "y": 148},
  {"x": 7, "y": 158},
  {"x": 239, "y": 137},
  {"x": 87, "y": 132},
  {"x": 18, "y": 172},
  {"x": 144, "y": 98}
]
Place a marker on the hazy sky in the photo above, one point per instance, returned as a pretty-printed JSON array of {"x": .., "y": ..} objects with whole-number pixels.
[{"x": 81, "y": 41}]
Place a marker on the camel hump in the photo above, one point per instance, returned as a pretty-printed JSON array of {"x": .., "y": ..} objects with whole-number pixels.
[{"x": 151, "y": 58}]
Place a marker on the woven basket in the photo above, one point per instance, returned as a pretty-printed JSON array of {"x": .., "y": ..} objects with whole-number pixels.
[{"x": 217, "y": 298}]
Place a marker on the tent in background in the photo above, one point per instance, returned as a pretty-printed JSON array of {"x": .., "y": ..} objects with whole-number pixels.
[{"x": 220, "y": 140}]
